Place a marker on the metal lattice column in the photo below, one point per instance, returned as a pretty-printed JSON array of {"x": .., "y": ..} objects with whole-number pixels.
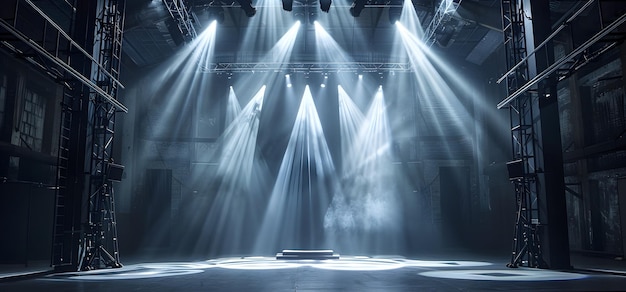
[
  {"x": 184, "y": 21},
  {"x": 526, "y": 249},
  {"x": 100, "y": 245}
]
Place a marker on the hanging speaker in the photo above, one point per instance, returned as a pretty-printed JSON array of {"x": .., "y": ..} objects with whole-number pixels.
[
  {"x": 115, "y": 172},
  {"x": 516, "y": 169}
]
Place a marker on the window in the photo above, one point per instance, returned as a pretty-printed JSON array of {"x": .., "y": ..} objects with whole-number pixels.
[{"x": 31, "y": 127}]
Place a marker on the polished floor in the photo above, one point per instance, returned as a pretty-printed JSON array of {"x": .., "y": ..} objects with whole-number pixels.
[{"x": 349, "y": 273}]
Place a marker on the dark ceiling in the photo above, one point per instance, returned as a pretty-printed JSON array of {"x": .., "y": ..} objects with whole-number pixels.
[{"x": 472, "y": 34}]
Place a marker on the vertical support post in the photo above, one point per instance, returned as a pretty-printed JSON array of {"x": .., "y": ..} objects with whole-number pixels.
[
  {"x": 526, "y": 250},
  {"x": 552, "y": 198},
  {"x": 100, "y": 246},
  {"x": 85, "y": 232}
]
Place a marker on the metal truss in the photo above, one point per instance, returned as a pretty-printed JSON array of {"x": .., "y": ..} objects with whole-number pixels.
[
  {"x": 100, "y": 246},
  {"x": 183, "y": 17},
  {"x": 523, "y": 103},
  {"x": 444, "y": 10},
  {"x": 526, "y": 250},
  {"x": 296, "y": 3},
  {"x": 306, "y": 67},
  {"x": 49, "y": 48}
]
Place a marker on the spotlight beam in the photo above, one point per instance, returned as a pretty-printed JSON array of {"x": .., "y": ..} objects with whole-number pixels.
[
  {"x": 303, "y": 188},
  {"x": 368, "y": 203},
  {"x": 350, "y": 119}
]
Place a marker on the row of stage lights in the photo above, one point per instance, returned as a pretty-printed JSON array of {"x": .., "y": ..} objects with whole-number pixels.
[
  {"x": 324, "y": 82},
  {"x": 395, "y": 8},
  {"x": 322, "y": 85},
  {"x": 357, "y": 73}
]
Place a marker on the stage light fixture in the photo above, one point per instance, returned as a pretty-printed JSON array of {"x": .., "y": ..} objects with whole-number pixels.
[
  {"x": 357, "y": 7},
  {"x": 325, "y": 80},
  {"x": 216, "y": 13},
  {"x": 325, "y": 5},
  {"x": 246, "y": 6},
  {"x": 287, "y": 5},
  {"x": 394, "y": 13},
  {"x": 288, "y": 80},
  {"x": 313, "y": 17}
]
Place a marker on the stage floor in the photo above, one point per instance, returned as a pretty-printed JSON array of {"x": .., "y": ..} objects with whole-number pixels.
[{"x": 349, "y": 273}]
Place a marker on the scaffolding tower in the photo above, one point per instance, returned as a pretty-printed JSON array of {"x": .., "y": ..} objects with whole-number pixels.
[
  {"x": 526, "y": 249},
  {"x": 100, "y": 247},
  {"x": 80, "y": 49}
]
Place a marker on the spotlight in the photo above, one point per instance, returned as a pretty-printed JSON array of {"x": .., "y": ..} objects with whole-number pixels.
[
  {"x": 317, "y": 25},
  {"x": 288, "y": 79},
  {"x": 322, "y": 85},
  {"x": 360, "y": 76},
  {"x": 313, "y": 17},
  {"x": 394, "y": 13},
  {"x": 246, "y": 6},
  {"x": 357, "y": 7},
  {"x": 287, "y": 5},
  {"x": 216, "y": 13},
  {"x": 325, "y": 5}
]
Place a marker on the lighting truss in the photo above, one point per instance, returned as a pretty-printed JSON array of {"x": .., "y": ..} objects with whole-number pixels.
[
  {"x": 306, "y": 67},
  {"x": 179, "y": 12},
  {"x": 442, "y": 13},
  {"x": 296, "y": 3}
]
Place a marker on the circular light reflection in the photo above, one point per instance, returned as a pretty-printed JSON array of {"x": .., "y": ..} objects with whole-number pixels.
[
  {"x": 138, "y": 271},
  {"x": 355, "y": 263},
  {"x": 140, "y": 274},
  {"x": 359, "y": 265},
  {"x": 504, "y": 275},
  {"x": 181, "y": 265},
  {"x": 443, "y": 264},
  {"x": 257, "y": 264}
]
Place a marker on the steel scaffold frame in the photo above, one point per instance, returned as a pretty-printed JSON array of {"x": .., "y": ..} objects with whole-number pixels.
[
  {"x": 183, "y": 17},
  {"x": 523, "y": 102},
  {"x": 100, "y": 245},
  {"x": 526, "y": 250},
  {"x": 446, "y": 8},
  {"x": 90, "y": 84}
]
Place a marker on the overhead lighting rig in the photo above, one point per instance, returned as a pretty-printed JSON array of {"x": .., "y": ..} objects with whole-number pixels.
[
  {"x": 246, "y": 6},
  {"x": 324, "y": 4}
]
